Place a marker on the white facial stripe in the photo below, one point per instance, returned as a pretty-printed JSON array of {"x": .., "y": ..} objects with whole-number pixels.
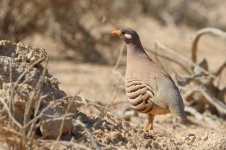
[{"x": 128, "y": 36}]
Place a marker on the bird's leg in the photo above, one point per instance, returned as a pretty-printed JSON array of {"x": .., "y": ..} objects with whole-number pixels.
[{"x": 149, "y": 124}]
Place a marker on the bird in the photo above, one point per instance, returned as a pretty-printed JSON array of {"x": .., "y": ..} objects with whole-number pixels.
[{"x": 149, "y": 88}]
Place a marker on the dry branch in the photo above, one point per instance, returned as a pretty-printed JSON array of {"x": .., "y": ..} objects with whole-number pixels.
[
  {"x": 11, "y": 130},
  {"x": 99, "y": 107},
  {"x": 63, "y": 120},
  {"x": 11, "y": 104},
  {"x": 197, "y": 74},
  {"x": 220, "y": 69},
  {"x": 167, "y": 58},
  {"x": 89, "y": 135},
  {"x": 186, "y": 80},
  {"x": 36, "y": 96},
  {"x": 39, "y": 115},
  {"x": 20, "y": 78},
  {"x": 163, "y": 47},
  {"x": 200, "y": 116},
  {"x": 5, "y": 106},
  {"x": 114, "y": 70},
  {"x": 214, "y": 31},
  {"x": 220, "y": 106},
  {"x": 119, "y": 56}
]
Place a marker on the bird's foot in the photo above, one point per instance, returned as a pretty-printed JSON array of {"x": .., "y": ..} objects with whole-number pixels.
[{"x": 149, "y": 126}]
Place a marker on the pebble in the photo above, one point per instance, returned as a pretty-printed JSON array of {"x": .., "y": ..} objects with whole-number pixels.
[
  {"x": 125, "y": 125},
  {"x": 204, "y": 138},
  {"x": 155, "y": 145},
  {"x": 147, "y": 144},
  {"x": 192, "y": 138},
  {"x": 191, "y": 134},
  {"x": 134, "y": 146}
]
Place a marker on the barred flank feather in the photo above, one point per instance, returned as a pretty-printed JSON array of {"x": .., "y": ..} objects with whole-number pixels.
[{"x": 138, "y": 94}]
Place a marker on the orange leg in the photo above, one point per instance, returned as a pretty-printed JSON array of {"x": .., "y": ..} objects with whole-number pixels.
[{"x": 149, "y": 124}]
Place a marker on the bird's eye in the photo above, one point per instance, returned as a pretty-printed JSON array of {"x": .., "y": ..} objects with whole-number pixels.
[
  {"x": 128, "y": 36},
  {"x": 123, "y": 32}
]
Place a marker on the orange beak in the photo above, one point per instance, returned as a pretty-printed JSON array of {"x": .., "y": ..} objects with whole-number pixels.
[{"x": 116, "y": 33}]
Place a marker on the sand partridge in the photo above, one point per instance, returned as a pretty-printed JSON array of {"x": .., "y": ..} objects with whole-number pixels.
[{"x": 149, "y": 88}]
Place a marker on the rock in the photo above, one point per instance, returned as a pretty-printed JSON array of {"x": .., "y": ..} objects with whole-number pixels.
[
  {"x": 52, "y": 120},
  {"x": 155, "y": 145},
  {"x": 117, "y": 137},
  {"x": 148, "y": 144},
  {"x": 191, "y": 134},
  {"x": 192, "y": 138},
  {"x": 204, "y": 138}
]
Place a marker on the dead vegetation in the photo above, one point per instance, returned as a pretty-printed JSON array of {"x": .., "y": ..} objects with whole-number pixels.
[{"x": 30, "y": 97}]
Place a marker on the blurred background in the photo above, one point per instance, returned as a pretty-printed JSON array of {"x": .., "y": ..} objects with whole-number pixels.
[
  {"x": 77, "y": 36},
  {"x": 83, "y": 26}
]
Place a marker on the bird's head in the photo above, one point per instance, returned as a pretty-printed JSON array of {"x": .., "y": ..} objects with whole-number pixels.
[{"x": 127, "y": 34}]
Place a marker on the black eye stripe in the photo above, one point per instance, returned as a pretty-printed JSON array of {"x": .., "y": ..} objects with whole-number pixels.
[{"x": 123, "y": 32}]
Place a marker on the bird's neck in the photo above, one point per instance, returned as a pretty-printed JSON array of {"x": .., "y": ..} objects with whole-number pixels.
[{"x": 135, "y": 51}]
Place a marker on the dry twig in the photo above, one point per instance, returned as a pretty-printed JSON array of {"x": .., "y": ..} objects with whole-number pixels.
[
  {"x": 220, "y": 106},
  {"x": 12, "y": 92},
  {"x": 163, "y": 47},
  {"x": 214, "y": 31},
  {"x": 89, "y": 135},
  {"x": 200, "y": 116},
  {"x": 5, "y": 106},
  {"x": 167, "y": 58},
  {"x": 39, "y": 115},
  {"x": 36, "y": 96}
]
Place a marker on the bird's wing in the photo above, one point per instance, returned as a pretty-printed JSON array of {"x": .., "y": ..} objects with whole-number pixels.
[{"x": 166, "y": 94}]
